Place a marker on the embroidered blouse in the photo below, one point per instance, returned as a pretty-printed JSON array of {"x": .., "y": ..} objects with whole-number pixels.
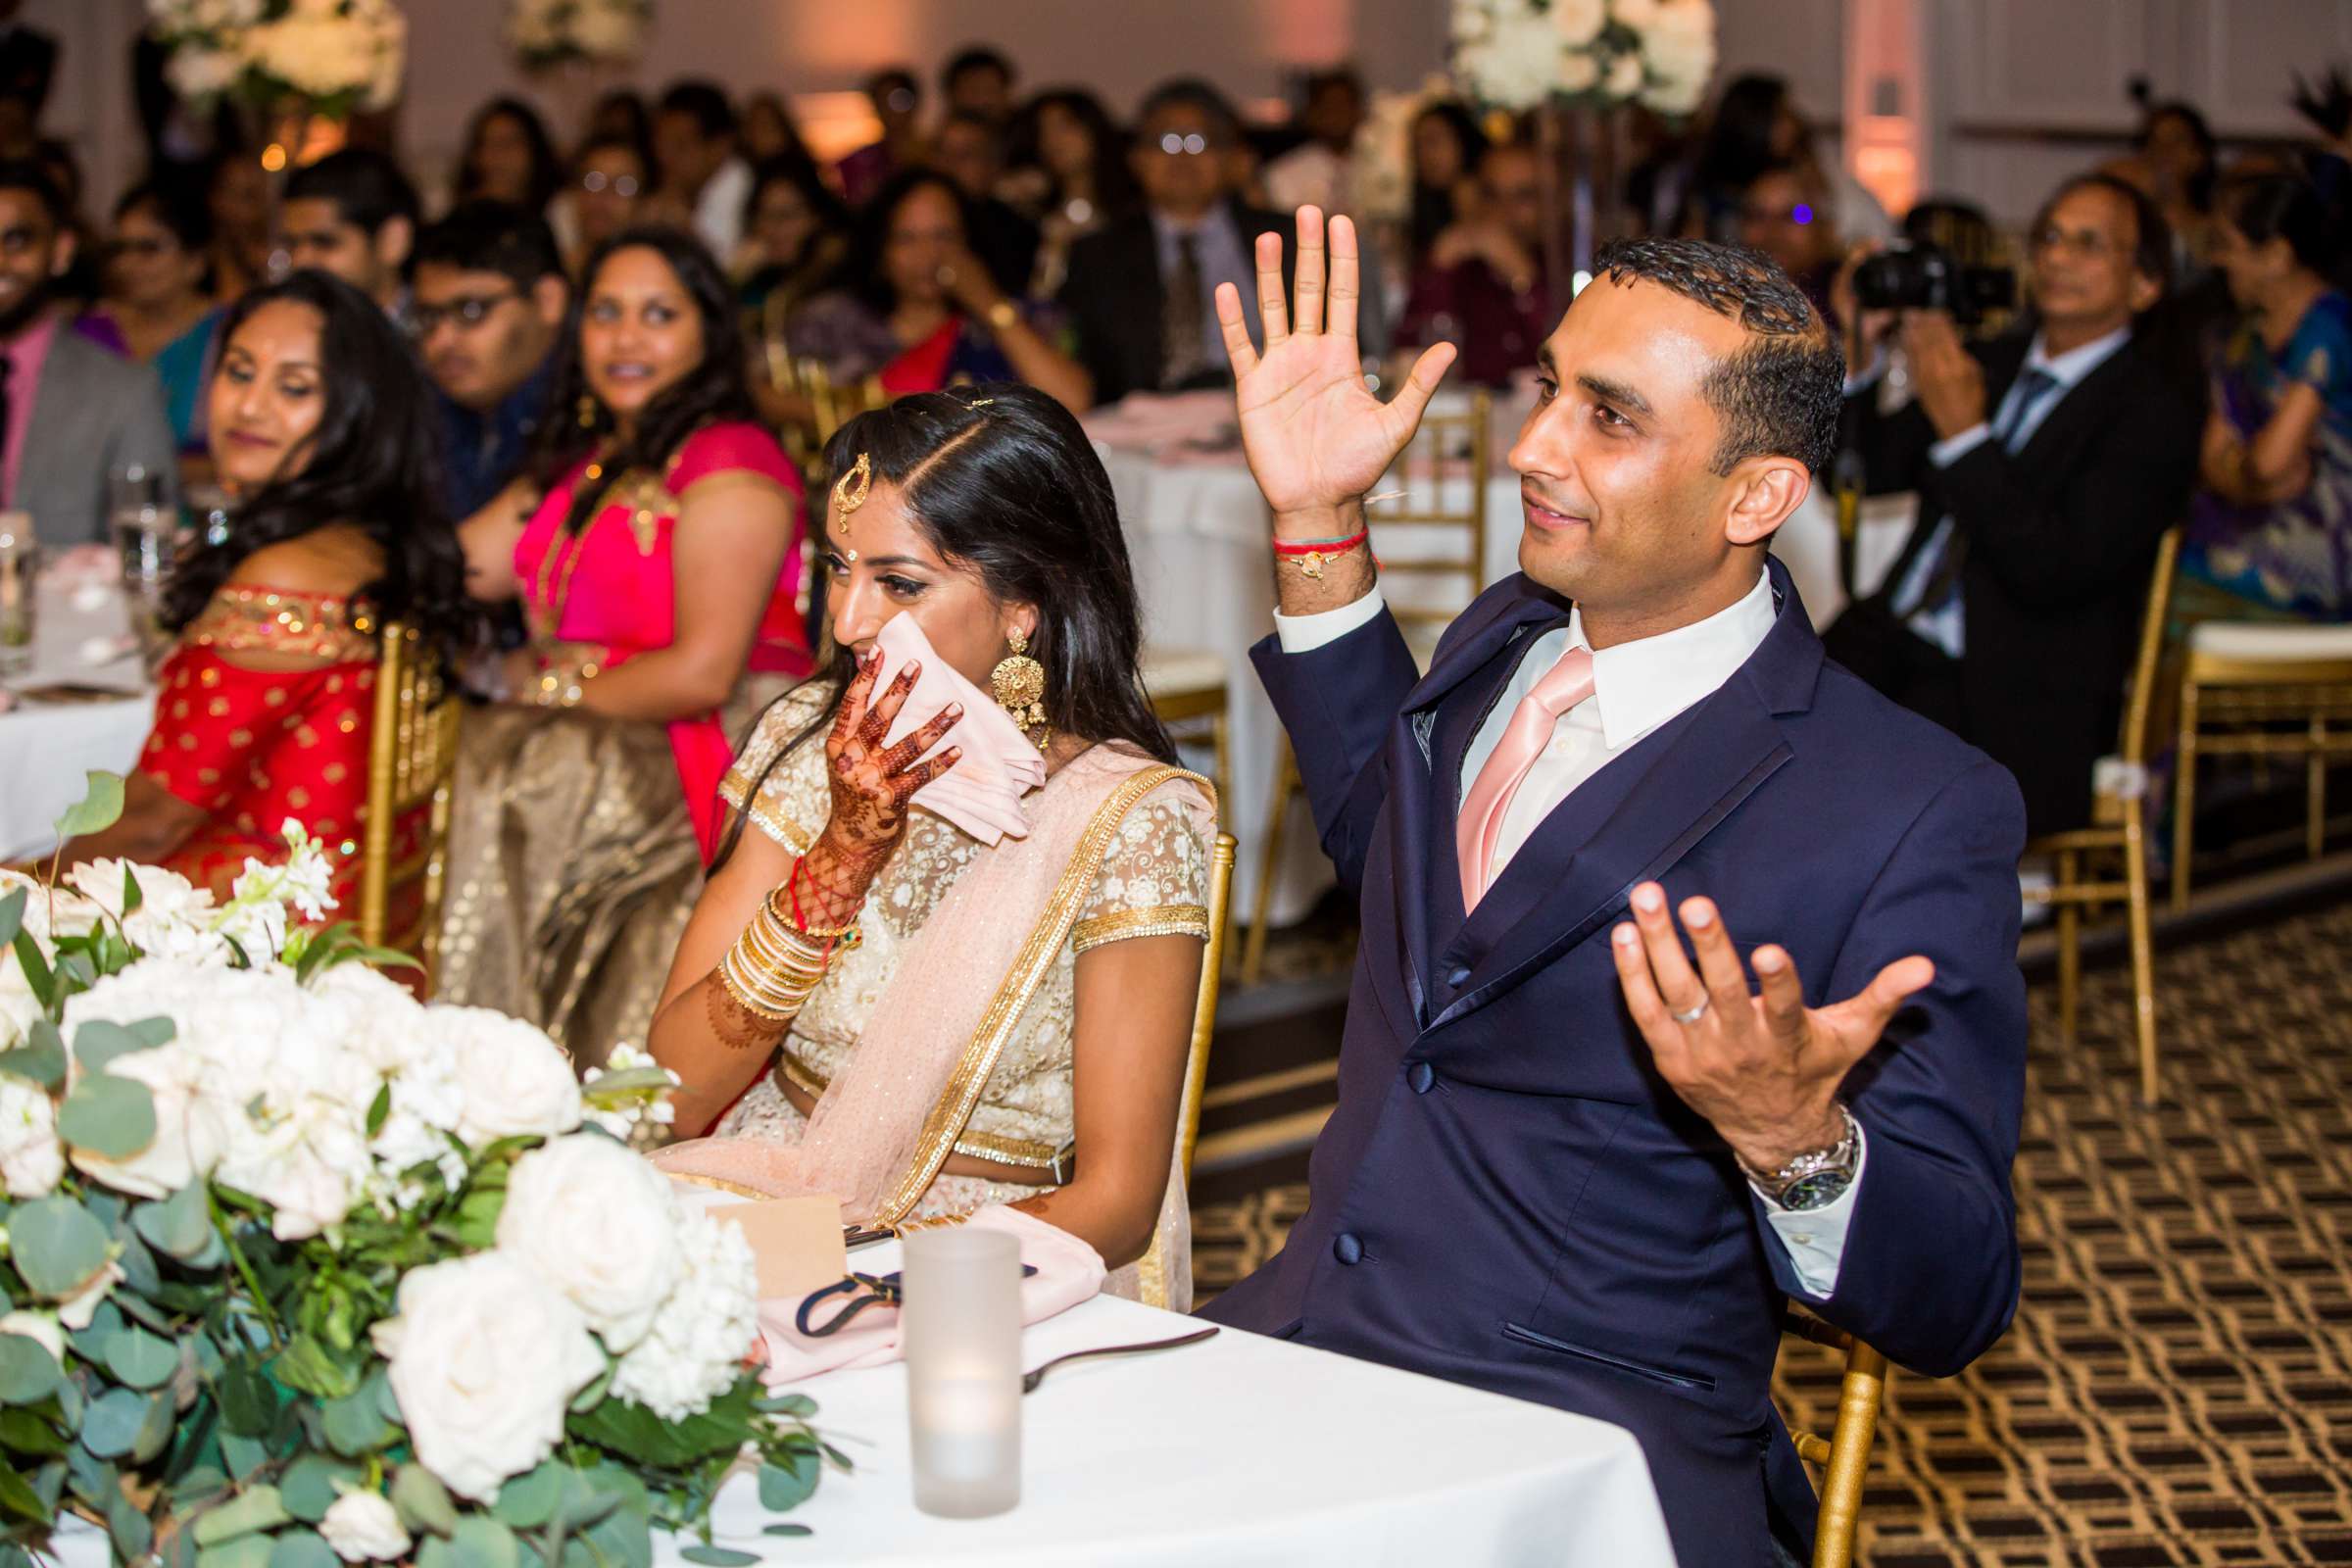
[{"x": 1153, "y": 882}]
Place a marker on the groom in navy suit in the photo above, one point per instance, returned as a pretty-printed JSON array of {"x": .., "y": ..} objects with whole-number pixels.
[{"x": 1688, "y": 982}]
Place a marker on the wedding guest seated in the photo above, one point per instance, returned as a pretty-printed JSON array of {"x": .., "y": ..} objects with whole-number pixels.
[
  {"x": 1787, "y": 213},
  {"x": 2271, "y": 532},
  {"x": 71, "y": 414},
  {"x": 654, "y": 548},
  {"x": 488, "y": 304},
  {"x": 236, "y": 196},
  {"x": 796, "y": 237},
  {"x": 917, "y": 309},
  {"x": 1449, "y": 146},
  {"x": 765, "y": 130},
  {"x": 509, "y": 157},
  {"x": 321, "y": 430},
  {"x": 978, "y": 80},
  {"x": 897, "y": 98},
  {"x": 1320, "y": 171},
  {"x": 1140, "y": 293},
  {"x": 159, "y": 297},
  {"x": 2047, "y": 469},
  {"x": 354, "y": 213},
  {"x": 694, "y": 145},
  {"x": 1483, "y": 286},
  {"x": 611, "y": 179},
  {"x": 970, "y": 151},
  {"x": 1074, "y": 177},
  {"x": 983, "y": 517}
]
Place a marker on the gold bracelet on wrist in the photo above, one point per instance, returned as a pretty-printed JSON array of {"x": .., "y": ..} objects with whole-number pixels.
[{"x": 562, "y": 683}]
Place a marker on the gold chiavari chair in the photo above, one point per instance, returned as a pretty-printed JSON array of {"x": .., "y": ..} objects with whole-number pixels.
[
  {"x": 1438, "y": 526},
  {"x": 836, "y": 403},
  {"x": 1844, "y": 1456},
  {"x": 1195, "y": 1063},
  {"x": 411, "y": 758},
  {"x": 2082, "y": 880},
  {"x": 1187, "y": 687}
]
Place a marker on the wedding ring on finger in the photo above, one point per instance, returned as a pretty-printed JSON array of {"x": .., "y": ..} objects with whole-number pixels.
[{"x": 1691, "y": 1015}]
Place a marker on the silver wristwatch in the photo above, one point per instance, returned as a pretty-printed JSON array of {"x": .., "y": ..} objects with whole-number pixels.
[{"x": 1813, "y": 1180}]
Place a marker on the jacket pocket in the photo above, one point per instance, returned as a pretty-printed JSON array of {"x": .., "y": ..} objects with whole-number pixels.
[{"x": 1672, "y": 1380}]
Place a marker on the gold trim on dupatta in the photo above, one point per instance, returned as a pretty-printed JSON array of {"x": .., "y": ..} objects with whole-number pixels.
[{"x": 946, "y": 1123}]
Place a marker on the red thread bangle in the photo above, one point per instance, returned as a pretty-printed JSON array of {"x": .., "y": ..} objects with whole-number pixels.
[
  {"x": 1326, "y": 548},
  {"x": 792, "y": 890}
]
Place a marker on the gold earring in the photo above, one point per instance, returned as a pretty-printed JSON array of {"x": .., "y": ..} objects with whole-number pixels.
[{"x": 1020, "y": 689}]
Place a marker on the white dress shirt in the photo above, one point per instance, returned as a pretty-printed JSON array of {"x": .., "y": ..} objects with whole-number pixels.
[
  {"x": 718, "y": 210},
  {"x": 1636, "y": 687}
]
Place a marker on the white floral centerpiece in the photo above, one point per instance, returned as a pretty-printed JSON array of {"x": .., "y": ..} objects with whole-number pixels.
[
  {"x": 299, "y": 1271},
  {"x": 332, "y": 56},
  {"x": 548, "y": 33},
  {"x": 1382, "y": 154},
  {"x": 1516, "y": 54}
]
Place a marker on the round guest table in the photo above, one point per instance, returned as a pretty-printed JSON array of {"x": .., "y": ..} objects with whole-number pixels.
[{"x": 85, "y": 704}]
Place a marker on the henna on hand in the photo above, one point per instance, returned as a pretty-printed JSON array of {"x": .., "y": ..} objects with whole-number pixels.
[
  {"x": 871, "y": 785},
  {"x": 735, "y": 1025}
]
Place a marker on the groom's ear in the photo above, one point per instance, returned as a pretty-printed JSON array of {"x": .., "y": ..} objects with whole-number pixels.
[{"x": 1764, "y": 491}]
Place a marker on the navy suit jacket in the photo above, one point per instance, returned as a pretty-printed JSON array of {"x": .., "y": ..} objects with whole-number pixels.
[{"x": 1507, "y": 1193}]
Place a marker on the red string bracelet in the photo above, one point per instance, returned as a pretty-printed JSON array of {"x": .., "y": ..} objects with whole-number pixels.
[{"x": 1314, "y": 555}]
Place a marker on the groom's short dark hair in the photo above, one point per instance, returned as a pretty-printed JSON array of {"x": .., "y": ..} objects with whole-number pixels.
[{"x": 1782, "y": 393}]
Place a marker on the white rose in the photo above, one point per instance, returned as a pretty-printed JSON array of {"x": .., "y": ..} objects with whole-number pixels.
[
  {"x": 515, "y": 1081},
  {"x": 599, "y": 1224},
  {"x": 32, "y": 1160},
  {"x": 606, "y": 31},
  {"x": 696, "y": 1349},
  {"x": 1625, "y": 77},
  {"x": 41, "y": 1327},
  {"x": 197, "y": 73},
  {"x": 485, "y": 1359},
  {"x": 1634, "y": 14},
  {"x": 1577, "y": 22},
  {"x": 363, "y": 1527},
  {"x": 1579, "y": 73}
]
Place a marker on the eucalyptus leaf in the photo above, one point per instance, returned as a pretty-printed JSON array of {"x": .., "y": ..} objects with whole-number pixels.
[
  {"x": 355, "y": 1424},
  {"x": 624, "y": 1538},
  {"x": 424, "y": 1504},
  {"x": 137, "y": 1263},
  {"x": 49, "y": 1482},
  {"x": 303, "y": 1548},
  {"x": 12, "y": 915},
  {"x": 309, "y": 1488},
  {"x": 719, "y": 1556},
  {"x": 258, "y": 1509},
  {"x": 788, "y": 1480},
  {"x": 132, "y": 895},
  {"x": 97, "y": 810},
  {"x": 155, "y": 1432},
  {"x": 56, "y": 1244},
  {"x": 792, "y": 1530},
  {"x": 179, "y": 1225},
  {"x": 245, "y": 1551},
  {"x": 434, "y": 1552},
  {"x": 529, "y": 1500},
  {"x": 99, "y": 1042},
  {"x": 245, "y": 1456},
  {"x": 112, "y": 1117},
  {"x": 90, "y": 1342},
  {"x": 628, "y": 1080},
  {"x": 133, "y": 1532},
  {"x": 112, "y": 1423},
  {"x": 310, "y": 1367},
  {"x": 247, "y": 1406},
  {"x": 17, "y": 1497},
  {"x": 799, "y": 1405},
  {"x": 481, "y": 1542},
  {"x": 379, "y": 1111},
  {"x": 23, "y": 1432},
  {"x": 28, "y": 1371},
  {"x": 37, "y": 1063},
  {"x": 37, "y": 969},
  {"x": 142, "y": 1359}
]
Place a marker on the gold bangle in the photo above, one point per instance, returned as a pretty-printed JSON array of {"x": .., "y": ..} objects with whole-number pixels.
[
  {"x": 1003, "y": 316},
  {"x": 847, "y": 935}
]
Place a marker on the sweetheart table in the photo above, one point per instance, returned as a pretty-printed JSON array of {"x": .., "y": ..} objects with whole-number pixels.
[{"x": 1237, "y": 1451}]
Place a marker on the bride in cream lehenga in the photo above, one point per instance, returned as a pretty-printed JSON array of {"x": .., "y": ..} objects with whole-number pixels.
[{"x": 874, "y": 1001}]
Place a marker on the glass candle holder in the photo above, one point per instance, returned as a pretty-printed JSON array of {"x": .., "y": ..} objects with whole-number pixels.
[
  {"x": 19, "y": 562},
  {"x": 961, "y": 1328}
]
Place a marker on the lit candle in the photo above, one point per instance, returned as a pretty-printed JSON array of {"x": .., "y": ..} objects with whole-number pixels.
[{"x": 961, "y": 1327}]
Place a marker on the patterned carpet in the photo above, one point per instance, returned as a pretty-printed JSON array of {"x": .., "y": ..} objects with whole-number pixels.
[{"x": 2177, "y": 1386}]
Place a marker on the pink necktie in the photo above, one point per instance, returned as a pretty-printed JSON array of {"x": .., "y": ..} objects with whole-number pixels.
[{"x": 1568, "y": 683}]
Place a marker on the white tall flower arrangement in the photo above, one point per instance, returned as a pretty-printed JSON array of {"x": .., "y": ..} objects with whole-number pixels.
[
  {"x": 334, "y": 56},
  {"x": 1516, "y": 54},
  {"x": 547, "y": 34}
]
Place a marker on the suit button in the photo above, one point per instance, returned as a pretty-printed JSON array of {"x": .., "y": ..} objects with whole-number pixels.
[
  {"x": 1457, "y": 977},
  {"x": 1420, "y": 1075},
  {"x": 1346, "y": 1248}
]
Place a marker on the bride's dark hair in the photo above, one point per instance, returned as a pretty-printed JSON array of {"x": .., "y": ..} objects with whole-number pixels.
[{"x": 1000, "y": 478}]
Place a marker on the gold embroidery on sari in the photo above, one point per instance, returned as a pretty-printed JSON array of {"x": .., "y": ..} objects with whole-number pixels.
[
  {"x": 1125, "y": 925},
  {"x": 240, "y": 618},
  {"x": 947, "y": 1120}
]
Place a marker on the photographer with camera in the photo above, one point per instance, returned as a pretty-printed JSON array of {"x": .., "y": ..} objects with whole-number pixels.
[{"x": 2048, "y": 468}]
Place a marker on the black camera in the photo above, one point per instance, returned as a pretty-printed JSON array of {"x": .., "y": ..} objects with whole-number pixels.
[{"x": 1919, "y": 276}]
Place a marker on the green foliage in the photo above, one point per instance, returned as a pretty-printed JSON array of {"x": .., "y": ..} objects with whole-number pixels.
[
  {"x": 40, "y": 1059},
  {"x": 28, "y": 1371},
  {"x": 115, "y": 1116},
  {"x": 97, "y": 810},
  {"x": 313, "y": 1483},
  {"x": 98, "y": 1042},
  {"x": 12, "y": 915},
  {"x": 56, "y": 1246},
  {"x": 424, "y": 1504},
  {"x": 719, "y": 1558}
]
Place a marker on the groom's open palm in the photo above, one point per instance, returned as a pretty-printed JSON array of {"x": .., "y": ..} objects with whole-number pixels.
[{"x": 1315, "y": 434}]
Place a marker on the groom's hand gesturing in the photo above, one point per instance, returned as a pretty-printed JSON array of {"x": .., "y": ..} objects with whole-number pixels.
[
  {"x": 1764, "y": 1069},
  {"x": 1316, "y": 436}
]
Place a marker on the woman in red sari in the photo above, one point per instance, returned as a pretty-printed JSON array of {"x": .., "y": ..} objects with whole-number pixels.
[
  {"x": 320, "y": 425},
  {"x": 656, "y": 553}
]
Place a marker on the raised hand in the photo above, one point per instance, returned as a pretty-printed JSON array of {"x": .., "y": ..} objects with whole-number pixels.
[
  {"x": 1316, "y": 436},
  {"x": 1763, "y": 1070},
  {"x": 871, "y": 782}
]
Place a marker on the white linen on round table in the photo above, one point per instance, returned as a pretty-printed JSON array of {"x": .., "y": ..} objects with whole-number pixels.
[{"x": 46, "y": 749}]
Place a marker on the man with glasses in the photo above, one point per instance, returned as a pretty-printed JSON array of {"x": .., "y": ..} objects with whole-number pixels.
[
  {"x": 489, "y": 297},
  {"x": 1483, "y": 286},
  {"x": 2048, "y": 468},
  {"x": 1142, "y": 292}
]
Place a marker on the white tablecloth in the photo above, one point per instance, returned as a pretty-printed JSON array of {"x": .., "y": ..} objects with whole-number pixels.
[
  {"x": 1198, "y": 531},
  {"x": 46, "y": 749}
]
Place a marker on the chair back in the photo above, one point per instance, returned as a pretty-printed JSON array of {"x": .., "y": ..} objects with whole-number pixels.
[
  {"x": 1196, "y": 1062},
  {"x": 836, "y": 404},
  {"x": 1845, "y": 1459},
  {"x": 2147, "y": 662},
  {"x": 1432, "y": 539},
  {"x": 411, "y": 758}
]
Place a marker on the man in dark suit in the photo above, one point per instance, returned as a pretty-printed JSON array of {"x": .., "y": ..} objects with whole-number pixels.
[
  {"x": 1141, "y": 292},
  {"x": 2048, "y": 468},
  {"x": 1566, "y": 1164}
]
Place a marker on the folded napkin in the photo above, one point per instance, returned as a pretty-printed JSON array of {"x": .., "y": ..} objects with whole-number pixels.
[
  {"x": 982, "y": 793},
  {"x": 1069, "y": 1272}
]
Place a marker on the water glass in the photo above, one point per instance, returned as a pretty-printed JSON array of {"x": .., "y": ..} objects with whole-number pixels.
[
  {"x": 961, "y": 1327},
  {"x": 20, "y": 566}
]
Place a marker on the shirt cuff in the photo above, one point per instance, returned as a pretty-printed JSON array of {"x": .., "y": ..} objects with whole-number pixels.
[
  {"x": 1303, "y": 634},
  {"x": 1868, "y": 375},
  {"x": 1943, "y": 454},
  {"x": 1815, "y": 1238}
]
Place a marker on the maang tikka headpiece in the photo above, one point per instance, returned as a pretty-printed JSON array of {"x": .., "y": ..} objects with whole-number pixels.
[{"x": 849, "y": 492}]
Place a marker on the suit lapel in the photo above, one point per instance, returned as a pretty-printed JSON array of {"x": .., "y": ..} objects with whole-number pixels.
[
  {"x": 2075, "y": 411},
  {"x": 1577, "y": 869}
]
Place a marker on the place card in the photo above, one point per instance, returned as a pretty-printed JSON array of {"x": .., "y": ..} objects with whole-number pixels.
[{"x": 797, "y": 1242}]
